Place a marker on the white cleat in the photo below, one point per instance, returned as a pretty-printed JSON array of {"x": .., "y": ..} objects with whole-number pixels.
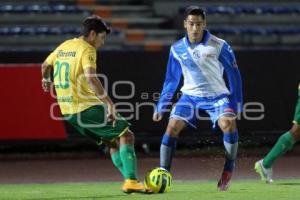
[{"x": 265, "y": 174}]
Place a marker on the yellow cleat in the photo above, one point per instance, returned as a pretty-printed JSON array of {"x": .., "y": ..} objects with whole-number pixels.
[{"x": 133, "y": 186}]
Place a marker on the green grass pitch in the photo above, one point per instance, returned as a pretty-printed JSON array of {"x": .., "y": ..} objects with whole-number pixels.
[{"x": 181, "y": 190}]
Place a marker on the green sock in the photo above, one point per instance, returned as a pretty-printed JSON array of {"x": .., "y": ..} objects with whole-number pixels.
[
  {"x": 129, "y": 161},
  {"x": 116, "y": 159},
  {"x": 283, "y": 144}
]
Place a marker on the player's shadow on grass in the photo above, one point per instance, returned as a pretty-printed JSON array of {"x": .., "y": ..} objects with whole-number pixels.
[{"x": 288, "y": 183}]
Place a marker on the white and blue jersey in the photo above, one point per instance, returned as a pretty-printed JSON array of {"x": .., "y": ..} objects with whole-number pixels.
[{"x": 202, "y": 66}]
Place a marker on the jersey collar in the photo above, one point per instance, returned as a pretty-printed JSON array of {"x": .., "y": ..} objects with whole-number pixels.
[{"x": 204, "y": 40}]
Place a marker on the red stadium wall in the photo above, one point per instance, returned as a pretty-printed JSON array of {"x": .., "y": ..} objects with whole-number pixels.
[{"x": 25, "y": 107}]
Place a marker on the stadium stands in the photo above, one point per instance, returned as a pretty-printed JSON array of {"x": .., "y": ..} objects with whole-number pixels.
[
  {"x": 146, "y": 25},
  {"x": 29, "y": 29}
]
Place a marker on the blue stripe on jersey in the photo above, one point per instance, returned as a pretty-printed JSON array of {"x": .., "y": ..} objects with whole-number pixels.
[
  {"x": 172, "y": 80},
  {"x": 228, "y": 61},
  {"x": 191, "y": 71},
  {"x": 202, "y": 66}
]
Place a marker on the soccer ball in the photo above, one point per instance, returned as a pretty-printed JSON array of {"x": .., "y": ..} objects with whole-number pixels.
[{"x": 159, "y": 180}]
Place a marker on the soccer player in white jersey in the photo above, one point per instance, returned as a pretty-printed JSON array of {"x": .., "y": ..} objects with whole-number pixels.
[{"x": 201, "y": 58}]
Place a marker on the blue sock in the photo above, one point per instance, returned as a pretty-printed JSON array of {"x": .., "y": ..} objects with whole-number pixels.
[
  {"x": 167, "y": 150},
  {"x": 230, "y": 141}
]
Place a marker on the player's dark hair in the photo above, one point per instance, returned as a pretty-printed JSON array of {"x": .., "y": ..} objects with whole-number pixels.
[
  {"x": 194, "y": 10},
  {"x": 95, "y": 23}
]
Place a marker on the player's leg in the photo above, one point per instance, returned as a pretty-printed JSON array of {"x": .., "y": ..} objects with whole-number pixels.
[
  {"x": 96, "y": 127},
  {"x": 286, "y": 141},
  {"x": 220, "y": 112},
  {"x": 295, "y": 132},
  {"x": 91, "y": 122},
  {"x": 121, "y": 142},
  {"x": 182, "y": 114},
  {"x": 128, "y": 158},
  {"x": 169, "y": 141},
  {"x": 230, "y": 141},
  {"x": 283, "y": 144},
  {"x": 127, "y": 155},
  {"x": 124, "y": 159},
  {"x": 116, "y": 157},
  {"x": 124, "y": 156}
]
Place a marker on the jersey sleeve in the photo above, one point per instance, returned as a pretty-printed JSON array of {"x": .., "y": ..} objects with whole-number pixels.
[
  {"x": 228, "y": 61},
  {"x": 88, "y": 58},
  {"x": 172, "y": 79},
  {"x": 50, "y": 59}
]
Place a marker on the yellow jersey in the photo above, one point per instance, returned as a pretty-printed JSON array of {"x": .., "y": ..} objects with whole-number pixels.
[{"x": 69, "y": 60}]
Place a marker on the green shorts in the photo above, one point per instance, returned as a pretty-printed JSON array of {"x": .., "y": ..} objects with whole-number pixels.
[
  {"x": 92, "y": 122},
  {"x": 297, "y": 112}
]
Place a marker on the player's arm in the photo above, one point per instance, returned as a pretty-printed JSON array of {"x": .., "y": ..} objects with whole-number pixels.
[
  {"x": 46, "y": 70},
  {"x": 88, "y": 62},
  {"x": 228, "y": 60},
  {"x": 172, "y": 80},
  {"x": 97, "y": 87}
]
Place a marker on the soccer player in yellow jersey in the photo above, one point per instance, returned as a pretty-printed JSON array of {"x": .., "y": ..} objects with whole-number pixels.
[
  {"x": 84, "y": 102},
  {"x": 286, "y": 142}
]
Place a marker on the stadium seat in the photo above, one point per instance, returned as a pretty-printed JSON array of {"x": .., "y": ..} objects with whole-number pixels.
[
  {"x": 36, "y": 8},
  {"x": 141, "y": 25}
]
